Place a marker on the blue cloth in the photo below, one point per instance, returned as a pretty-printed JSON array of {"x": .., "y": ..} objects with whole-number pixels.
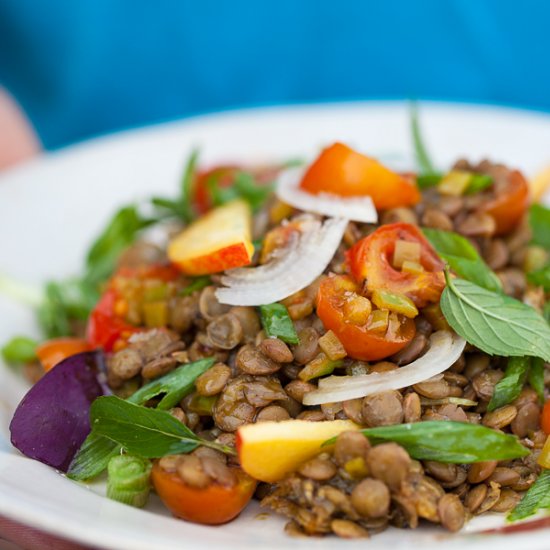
[{"x": 84, "y": 67}]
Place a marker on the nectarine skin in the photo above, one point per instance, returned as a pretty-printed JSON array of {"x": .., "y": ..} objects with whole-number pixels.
[{"x": 229, "y": 257}]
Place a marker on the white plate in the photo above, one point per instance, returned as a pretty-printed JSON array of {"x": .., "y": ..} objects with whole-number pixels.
[{"x": 52, "y": 207}]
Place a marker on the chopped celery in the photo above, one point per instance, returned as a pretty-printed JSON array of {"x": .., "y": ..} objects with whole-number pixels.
[{"x": 398, "y": 303}]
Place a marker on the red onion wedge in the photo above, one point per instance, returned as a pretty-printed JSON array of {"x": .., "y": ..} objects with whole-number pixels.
[
  {"x": 294, "y": 267},
  {"x": 359, "y": 209},
  {"x": 445, "y": 348}
]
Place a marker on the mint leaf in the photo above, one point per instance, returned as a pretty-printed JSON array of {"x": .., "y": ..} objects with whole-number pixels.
[
  {"x": 425, "y": 181},
  {"x": 147, "y": 433},
  {"x": 494, "y": 323},
  {"x": 277, "y": 323},
  {"x": 509, "y": 388},
  {"x": 174, "y": 386},
  {"x": 455, "y": 442},
  {"x": 120, "y": 233},
  {"x": 536, "y": 498},
  {"x": 92, "y": 458},
  {"x": 463, "y": 258}
]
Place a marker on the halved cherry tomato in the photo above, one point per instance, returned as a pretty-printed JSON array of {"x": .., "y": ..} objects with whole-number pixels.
[
  {"x": 54, "y": 351},
  {"x": 359, "y": 341},
  {"x": 370, "y": 260},
  {"x": 545, "y": 418},
  {"x": 509, "y": 206},
  {"x": 105, "y": 328},
  {"x": 342, "y": 171},
  {"x": 212, "y": 505}
]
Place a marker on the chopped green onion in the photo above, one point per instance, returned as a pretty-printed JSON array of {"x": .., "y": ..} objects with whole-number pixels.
[
  {"x": 422, "y": 157},
  {"x": 277, "y": 323},
  {"x": 129, "y": 480}
]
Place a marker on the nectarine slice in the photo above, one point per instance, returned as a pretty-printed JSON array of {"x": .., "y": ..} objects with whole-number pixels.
[
  {"x": 268, "y": 451},
  {"x": 218, "y": 241}
]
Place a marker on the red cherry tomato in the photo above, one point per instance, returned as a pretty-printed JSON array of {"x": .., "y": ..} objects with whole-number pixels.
[
  {"x": 211, "y": 505},
  {"x": 370, "y": 260},
  {"x": 342, "y": 171},
  {"x": 359, "y": 341}
]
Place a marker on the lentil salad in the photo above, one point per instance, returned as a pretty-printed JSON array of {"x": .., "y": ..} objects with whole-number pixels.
[{"x": 163, "y": 319}]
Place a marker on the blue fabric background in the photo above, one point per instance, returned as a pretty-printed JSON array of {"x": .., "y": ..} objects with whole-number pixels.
[{"x": 83, "y": 67}]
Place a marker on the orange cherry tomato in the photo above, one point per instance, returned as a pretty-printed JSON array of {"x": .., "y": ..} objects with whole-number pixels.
[
  {"x": 342, "y": 171},
  {"x": 54, "y": 351},
  {"x": 545, "y": 418},
  {"x": 212, "y": 505},
  {"x": 358, "y": 340},
  {"x": 510, "y": 205},
  {"x": 370, "y": 260}
]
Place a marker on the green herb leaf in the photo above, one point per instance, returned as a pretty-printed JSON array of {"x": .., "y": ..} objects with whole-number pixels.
[
  {"x": 120, "y": 233},
  {"x": 93, "y": 457},
  {"x": 53, "y": 316},
  {"x": 425, "y": 181},
  {"x": 20, "y": 349},
  {"x": 197, "y": 284},
  {"x": 96, "y": 451},
  {"x": 244, "y": 186},
  {"x": 539, "y": 220},
  {"x": 509, "y": 388},
  {"x": 182, "y": 206},
  {"x": 494, "y": 323},
  {"x": 147, "y": 433},
  {"x": 455, "y": 442},
  {"x": 536, "y": 377},
  {"x": 540, "y": 277},
  {"x": 479, "y": 182},
  {"x": 422, "y": 157},
  {"x": 277, "y": 323},
  {"x": 463, "y": 258},
  {"x": 174, "y": 386},
  {"x": 535, "y": 499},
  {"x": 546, "y": 312}
]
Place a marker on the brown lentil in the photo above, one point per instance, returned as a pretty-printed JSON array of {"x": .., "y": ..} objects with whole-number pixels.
[
  {"x": 276, "y": 350},
  {"x": 371, "y": 498},
  {"x": 527, "y": 420},
  {"x": 417, "y": 347},
  {"x": 500, "y": 417},
  {"x": 191, "y": 472},
  {"x": 350, "y": 445},
  {"x": 475, "y": 497},
  {"x": 383, "y": 409},
  {"x": 213, "y": 380},
  {"x": 389, "y": 463},
  {"x": 225, "y": 331},
  {"x": 308, "y": 348},
  {"x": 347, "y": 529},
  {"x": 451, "y": 512},
  {"x": 249, "y": 321},
  {"x": 412, "y": 409},
  {"x": 272, "y": 413},
  {"x": 251, "y": 360},
  {"x": 480, "y": 471}
]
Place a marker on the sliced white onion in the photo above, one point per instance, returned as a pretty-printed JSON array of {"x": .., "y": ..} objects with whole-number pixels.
[
  {"x": 294, "y": 268},
  {"x": 445, "y": 348},
  {"x": 358, "y": 209}
]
